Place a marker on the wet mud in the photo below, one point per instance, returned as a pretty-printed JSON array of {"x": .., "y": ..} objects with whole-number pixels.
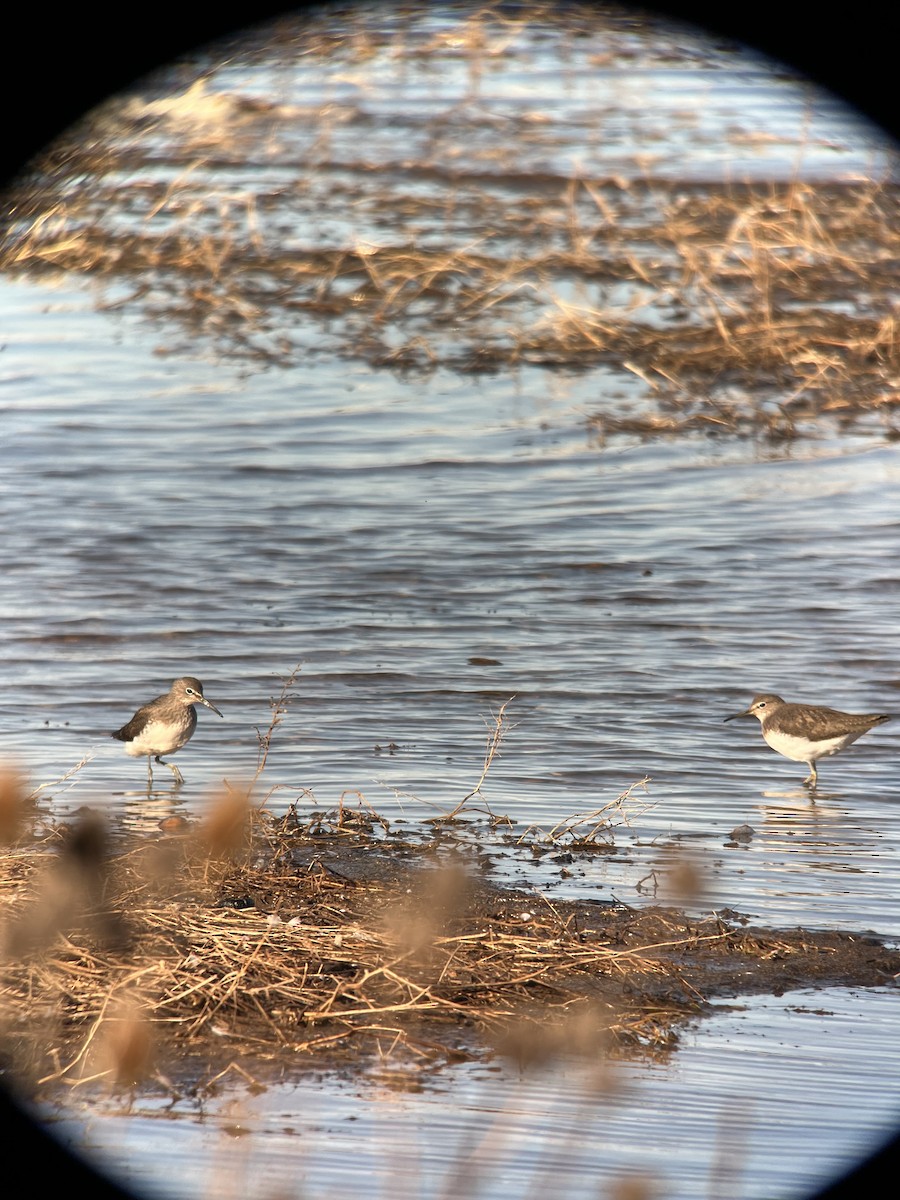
[{"x": 273, "y": 945}]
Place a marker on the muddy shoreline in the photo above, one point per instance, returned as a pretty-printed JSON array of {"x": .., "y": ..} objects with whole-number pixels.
[{"x": 269, "y": 945}]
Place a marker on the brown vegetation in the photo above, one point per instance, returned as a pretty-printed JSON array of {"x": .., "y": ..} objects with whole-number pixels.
[
  {"x": 249, "y": 940},
  {"x": 252, "y": 941},
  {"x": 776, "y": 300},
  {"x": 750, "y": 309}
]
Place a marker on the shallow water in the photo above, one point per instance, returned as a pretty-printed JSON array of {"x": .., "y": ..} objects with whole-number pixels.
[
  {"x": 739, "y": 1111},
  {"x": 383, "y": 534},
  {"x": 428, "y": 548}
]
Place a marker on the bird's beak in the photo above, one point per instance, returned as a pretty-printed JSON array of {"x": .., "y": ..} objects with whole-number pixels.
[
  {"x": 209, "y": 704},
  {"x": 734, "y": 716}
]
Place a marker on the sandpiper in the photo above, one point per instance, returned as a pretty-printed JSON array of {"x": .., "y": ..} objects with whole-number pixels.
[
  {"x": 808, "y": 732},
  {"x": 165, "y": 724}
]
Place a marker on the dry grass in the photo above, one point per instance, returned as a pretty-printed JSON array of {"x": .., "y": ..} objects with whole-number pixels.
[
  {"x": 136, "y": 946},
  {"x": 590, "y": 831},
  {"x": 249, "y": 940},
  {"x": 754, "y": 310},
  {"x": 765, "y": 309}
]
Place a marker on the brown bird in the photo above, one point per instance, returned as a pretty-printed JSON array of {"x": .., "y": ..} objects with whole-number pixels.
[
  {"x": 808, "y": 732},
  {"x": 165, "y": 724}
]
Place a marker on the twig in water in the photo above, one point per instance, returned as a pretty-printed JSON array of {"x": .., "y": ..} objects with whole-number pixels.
[
  {"x": 62, "y": 779},
  {"x": 279, "y": 708},
  {"x": 600, "y": 822},
  {"x": 580, "y": 829},
  {"x": 501, "y": 725},
  {"x": 363, "y": 803}
]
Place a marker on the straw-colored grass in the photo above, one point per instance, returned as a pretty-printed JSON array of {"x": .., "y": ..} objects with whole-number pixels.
[
  {"x": 273, "y": 940},
  {"x": 761, "y": 310}
]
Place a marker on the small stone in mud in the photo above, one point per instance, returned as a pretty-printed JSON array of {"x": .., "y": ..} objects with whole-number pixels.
[{"x": 741, "y": 833}]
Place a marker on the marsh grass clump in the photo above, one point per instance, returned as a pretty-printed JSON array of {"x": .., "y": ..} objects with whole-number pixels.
[
  {"x": 778, "y": 326},
  {"x": 267, "y": 933},
  {"x": 262, "y": 942},
  {"x": 586, "y": 833},
  {"x": 762, "y": 310}
]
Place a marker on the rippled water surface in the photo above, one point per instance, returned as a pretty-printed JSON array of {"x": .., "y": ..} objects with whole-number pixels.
[
  {"x": 712, "y": 1123},
  {"x": 384, "y": 534},
  {"x": 430, "y": 546}
]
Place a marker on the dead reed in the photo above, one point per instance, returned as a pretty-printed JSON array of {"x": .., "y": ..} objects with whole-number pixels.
[
  {"x": 755, "y": 310},
  {"x": 254, "y": 939},
  {"x": 252, "y": 934},
  {"x": 758, "y": 336}
]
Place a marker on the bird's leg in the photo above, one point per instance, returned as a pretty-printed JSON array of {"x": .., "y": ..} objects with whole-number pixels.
[
  {"x": 149, "y": 772},
  {"x": 813, "y": 775},
  {"x": 179, "y": 778}
]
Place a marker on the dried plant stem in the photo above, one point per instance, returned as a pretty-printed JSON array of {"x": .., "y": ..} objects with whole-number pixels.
[
  {"x": 500, "y": 728},
  {"x": 279, "y": 707},
  {"x": 72, "y": 771},
  {"x": 582, "y": 829}
]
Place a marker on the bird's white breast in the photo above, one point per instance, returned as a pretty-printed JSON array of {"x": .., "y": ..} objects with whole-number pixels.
[
  {"x": 801, "y": 749},
  {"x": 158, "y": 737}
]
